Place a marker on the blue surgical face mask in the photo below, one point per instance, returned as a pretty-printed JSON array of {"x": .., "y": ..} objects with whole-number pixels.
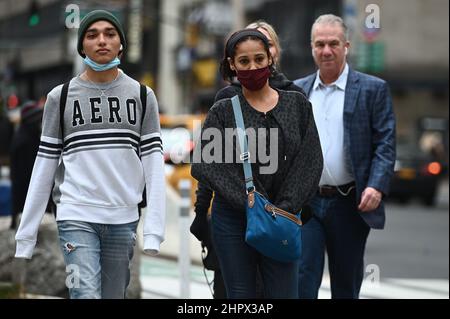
[{"x": 101, "y": 67}]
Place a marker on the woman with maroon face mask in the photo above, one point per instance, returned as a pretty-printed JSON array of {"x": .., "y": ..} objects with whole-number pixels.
[
  {"x": 200, "y": 227},
  {"x": 251, "y": 62},
  {"x": 286, "y": 162}
]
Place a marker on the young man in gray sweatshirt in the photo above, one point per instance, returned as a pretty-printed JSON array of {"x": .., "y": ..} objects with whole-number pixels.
[{"x": 98, "y": 157}]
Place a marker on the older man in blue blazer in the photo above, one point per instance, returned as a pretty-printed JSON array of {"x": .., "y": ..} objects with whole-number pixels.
[{"x": 356, "y": 124}]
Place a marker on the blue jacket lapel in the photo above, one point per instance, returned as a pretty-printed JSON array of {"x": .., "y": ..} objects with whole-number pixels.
[
  {"x": 309, "y": 83},
  {"x": 351, "y": 92},
  {"x": 351, "y": 96}
]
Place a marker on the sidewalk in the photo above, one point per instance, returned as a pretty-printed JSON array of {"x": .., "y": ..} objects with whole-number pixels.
[
  {"x": 160, "y": 280},
  {"x": 160, "y": 275}
]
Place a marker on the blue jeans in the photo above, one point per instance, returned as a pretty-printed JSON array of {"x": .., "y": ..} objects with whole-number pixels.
[
  {"x": 337, "y": 227},
  {"x": 239, "y": 261},
  {"x": 97, "y": 258}
]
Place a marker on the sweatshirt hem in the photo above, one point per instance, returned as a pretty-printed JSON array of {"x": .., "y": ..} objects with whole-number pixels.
[{"x": 96, "y": 214}]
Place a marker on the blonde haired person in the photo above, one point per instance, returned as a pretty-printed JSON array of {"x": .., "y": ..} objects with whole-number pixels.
[{"x": 274, "y": 42}]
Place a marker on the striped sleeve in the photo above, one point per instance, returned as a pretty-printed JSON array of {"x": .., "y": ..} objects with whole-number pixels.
[
  {"x": 150, "y": 144},
  {"x": 35, "y": 204},
  {"x": 42, "y": 177},
  {"x": 151, "y": 130},
  {"x": 50, "y": 148},
  {"x": 153, "y": 163}
]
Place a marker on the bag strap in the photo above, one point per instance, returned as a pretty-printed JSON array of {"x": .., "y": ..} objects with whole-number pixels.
[
  {"x": 62, "y": 108},
  {"x": 143, "y": 101},
  {"x": 243, "y": 146},
  {"x": 143, "y": 97}
]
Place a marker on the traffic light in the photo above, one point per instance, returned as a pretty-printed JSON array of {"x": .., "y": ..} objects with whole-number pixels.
[
  {"x": 34, "y": 16},
  {"x": 13, "y": 101},
  {"x": 371, "y": 56}
]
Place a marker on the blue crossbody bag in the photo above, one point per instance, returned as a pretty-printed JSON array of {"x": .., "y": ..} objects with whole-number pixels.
[{"x": 272, "y": 231}]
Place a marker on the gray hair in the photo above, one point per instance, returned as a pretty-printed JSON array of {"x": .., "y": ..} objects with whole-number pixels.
[{"x": 327, "y": 19}]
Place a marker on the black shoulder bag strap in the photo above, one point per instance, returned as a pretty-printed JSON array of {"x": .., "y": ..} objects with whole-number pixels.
[
  {"x": 144, "y": 108},
  {"x": 62, "y": 108},
  {"x": 143, "y": 102}
]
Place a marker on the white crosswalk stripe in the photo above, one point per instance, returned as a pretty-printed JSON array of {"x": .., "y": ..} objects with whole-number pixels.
[
  {"x": 159, "y": 279},
  {"x": 397, "y": 288}
]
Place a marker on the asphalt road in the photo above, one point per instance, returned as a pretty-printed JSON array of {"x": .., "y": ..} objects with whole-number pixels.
[{"x": 414, "y": 243}]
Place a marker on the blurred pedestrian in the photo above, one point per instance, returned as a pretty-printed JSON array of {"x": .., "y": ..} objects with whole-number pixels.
[
  {"x": 356, "y": 124},
  {"x": 99, "y": 153},
  {"x": 24, "y": 147},
  {"x": 6, "y": 133},
  {"x": 431, "y": 143},
  {"x": 297, "y": 152},
  {"x": 204, "y": 195}
]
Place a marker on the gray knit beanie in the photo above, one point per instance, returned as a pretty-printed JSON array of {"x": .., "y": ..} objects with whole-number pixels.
[{"x": 95, "y": 16}]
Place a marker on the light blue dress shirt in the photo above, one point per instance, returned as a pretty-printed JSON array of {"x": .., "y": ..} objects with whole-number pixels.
[{"x": 328, "y": 108}]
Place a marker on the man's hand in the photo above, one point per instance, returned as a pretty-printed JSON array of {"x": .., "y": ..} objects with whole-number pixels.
[{"x": 370, "y": 199}]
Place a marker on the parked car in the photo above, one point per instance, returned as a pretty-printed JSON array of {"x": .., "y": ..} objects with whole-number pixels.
[{"x": 417, "y": 175}]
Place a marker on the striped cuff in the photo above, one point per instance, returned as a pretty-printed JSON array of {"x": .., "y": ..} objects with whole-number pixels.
[
  {"x": 50, "y": 148},
  {"x": 151, "y": 143}
]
